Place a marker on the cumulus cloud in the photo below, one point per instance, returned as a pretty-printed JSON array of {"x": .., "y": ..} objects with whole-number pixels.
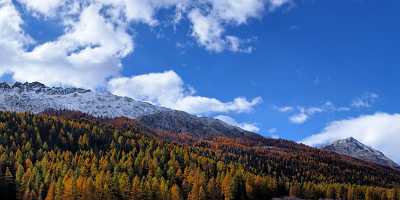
[
  {"x": 208, "y": 31},
  {"x": 87, "y": 54},
  {"x": 168, "y": 89},
  {"x": 12, "y": 36},
  {"x": 208, "y": 25},
  {"x": 380, "y": 131},
  {"x": 245, "y": 126},
  {"x": 159, "y": 88}
]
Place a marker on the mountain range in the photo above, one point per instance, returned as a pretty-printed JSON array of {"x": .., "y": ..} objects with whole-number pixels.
[{"x": 37, "y": 98}]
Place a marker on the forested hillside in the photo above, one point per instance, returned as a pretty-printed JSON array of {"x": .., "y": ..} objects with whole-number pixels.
[{"x": 56, "y": 157}]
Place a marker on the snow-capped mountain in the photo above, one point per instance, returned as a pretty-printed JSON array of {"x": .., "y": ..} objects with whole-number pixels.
[
  {"x": 353, "y": 148},
  {"x": 36, "y": 98}
]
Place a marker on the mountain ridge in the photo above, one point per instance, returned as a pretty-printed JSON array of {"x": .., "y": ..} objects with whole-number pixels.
[{"x": 36, "y": 97}]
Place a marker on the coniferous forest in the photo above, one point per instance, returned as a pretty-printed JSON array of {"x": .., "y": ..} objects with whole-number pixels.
[{"x": 53, "y": 157}]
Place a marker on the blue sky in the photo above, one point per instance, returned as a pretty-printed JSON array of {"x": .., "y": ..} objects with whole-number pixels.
[
  {"x": 330, "y": 63},
  {"x": 313, "y": 53}
]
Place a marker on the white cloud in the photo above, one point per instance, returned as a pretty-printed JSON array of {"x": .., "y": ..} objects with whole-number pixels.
[
  {"x": 380, "y": 131},
  {"x": 208, "y": 25},
  {"x": 305, "y": 113},
  {"x": 43, "y": 7},
  {"x": 300, "y": 118},
  {"x": 198, "y": 105},
  {"x": 143, "y": 11},
  {"x": 302, "y": 114},
  {"x": 274, "y": 4},
  {"x": 168, "y": 89},
  {"x": 245, "y": 126},
  {"x": 237, "y": 11},
  {"x": 285, "y": 109},
  {"x": 159, "y": 88},
  {"x": 12, "y": 36},
  {"x": 207, "y": 30},
  {"x": 85, "y": 56},
  {"x": 236, "y": 44},
  {"x": 96, "y": 36},
  {"x": 365, "y": 101}
]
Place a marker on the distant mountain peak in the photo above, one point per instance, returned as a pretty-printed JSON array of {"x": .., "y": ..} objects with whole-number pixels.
[
  {"x": 354, "y": 148},
  {"x": 351, "y": 142}
]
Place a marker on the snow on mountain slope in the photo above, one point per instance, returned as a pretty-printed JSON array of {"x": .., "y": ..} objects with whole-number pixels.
[
  {"x": 36, "y": 97},
  {"x": 353, "y": 148}
]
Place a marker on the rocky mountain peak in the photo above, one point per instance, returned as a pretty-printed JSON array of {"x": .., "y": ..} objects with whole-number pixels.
[
  {"x": 350, "y": 139},
  {"x": 4, "y": 85},
  {"x": 354, "y": 148},
  {"x": 28, "y": 86}
]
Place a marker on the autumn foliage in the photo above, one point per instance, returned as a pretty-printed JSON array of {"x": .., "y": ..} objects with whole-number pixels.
[{"x": 54, "y": 157}]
